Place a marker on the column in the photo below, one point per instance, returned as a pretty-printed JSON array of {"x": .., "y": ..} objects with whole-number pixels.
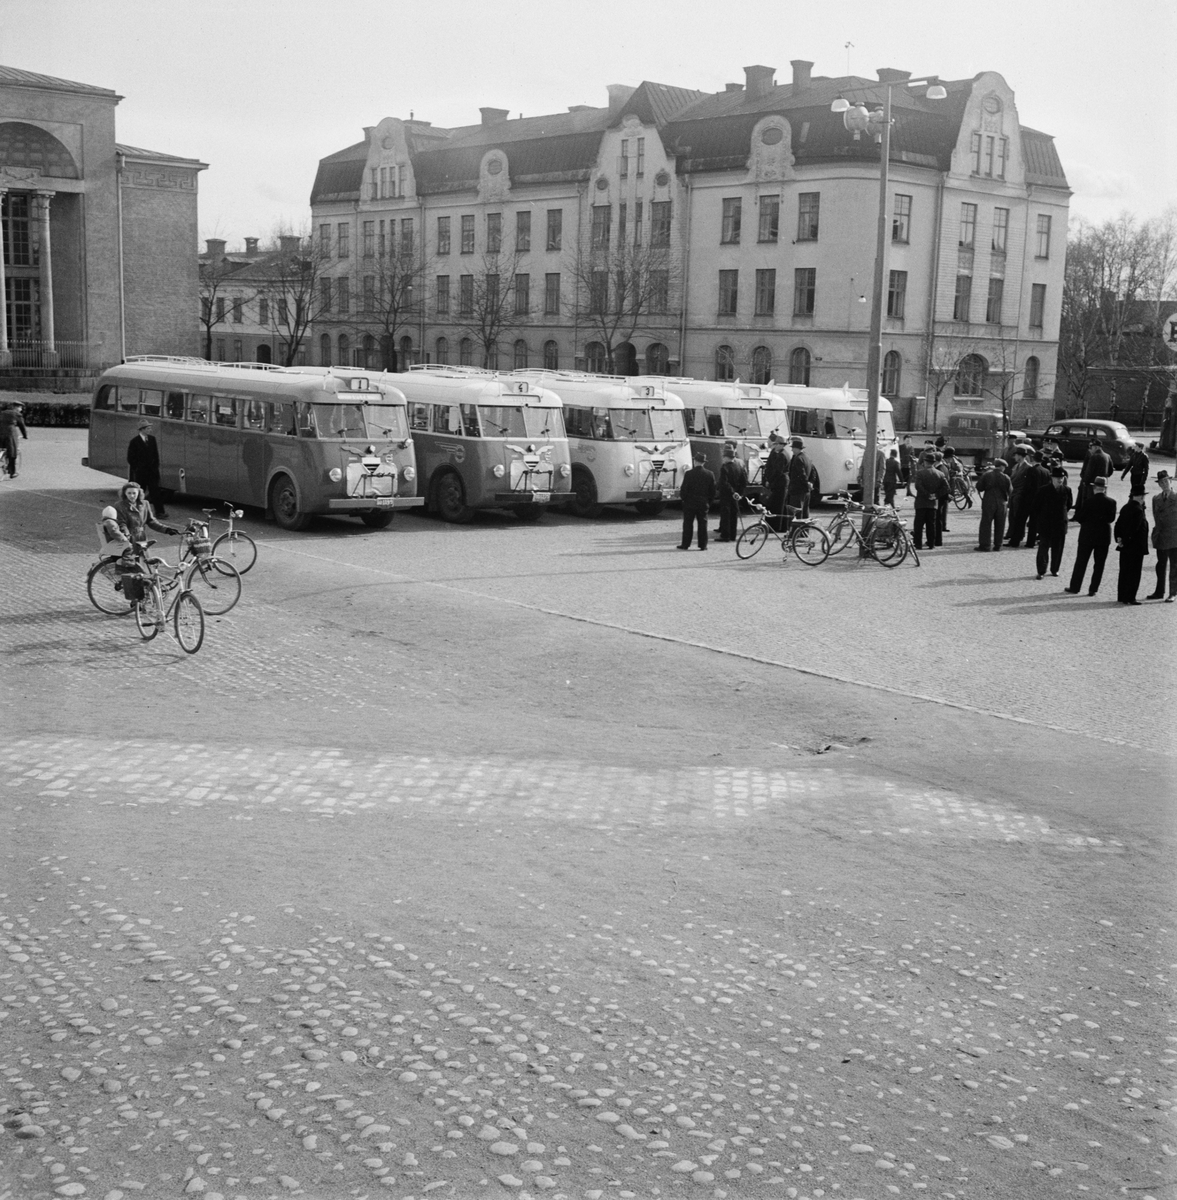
[
  {"x": 46, "y": 262},
  {"x": 5, "y": 354}
]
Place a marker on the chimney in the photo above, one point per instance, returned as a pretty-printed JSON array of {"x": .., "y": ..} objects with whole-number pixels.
[
  {"x": 368, "y": 132},
  {"x": 216, "y": 247},
  {"x": 801, "y": 71},
  {"x": 290, "y": 243},
  {"x": 251, "y": 245},
  {"x": 494, "y": 116},
  {"x": 619, "y": 93},
  {"x": 759, "y": 80},
  {"x": 890, "y": 75},
  {"x": 733, "y": 87}
]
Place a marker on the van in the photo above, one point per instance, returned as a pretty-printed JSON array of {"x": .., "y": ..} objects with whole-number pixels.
[{"x": 979, "y": 435}]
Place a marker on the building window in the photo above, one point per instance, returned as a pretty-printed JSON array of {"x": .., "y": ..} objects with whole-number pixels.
[
  {"x": 623, "y": 161},
  {"x": 220, "y": 309},
  {"x": 622, "y": 211},
  {"x": 892, "y": 366},
  {"x": 970, "y": 376},
  {"x": 522, "y": 295},
  {"x": 901, "y": 220},
  {"x": 897, "y": 295},
  {"x": 729, "y": 232},
  {"x": 443, "y": 295},
  {"x": 443, "y": 235},
  {"x": 238, "y": 310},
  {"x": 637, "y": 222},
  {"x": 368, "y": 236},
  {"x": 441, "y": 351},
  {"x": 799, "y": 363},
  {"x": 344, "y": 350},
  {"x": 975, "y": 150},
  {"x": 325, "y": 350},
  {"x": 407, "y": 238},
  {"x": 804, "y": 291},
  {"x": 237, "y": 350},
  {"x": 1037, "y": 305},
  {"x": 657, "y": 359},
  {"x": 725, "y": 364},
  {"x": 1000, "y": 230},
  {"x": 283, "y": 312},
  {"x": 968, "y": 225},
  {"x": 523, "y": 231},
  {"x": 765, "y": 292},
  {"x": 465, "y": 352},
  {"x": 491, "y": 288},
  {"x": 369, "y": 293},
  {"x": 343, "y": 234},
  {"x": 1043, "y": 250},
  {"x": 729, "y": 287},
  {"x": 494, "y": 233},
  {"x": 490, "y": 357},
  {"x": 761, "y": 364},
  {"x": 555, "y": 228},
  {"x": 466, "y": 295},
  {"x": 963, "y": 298},
  {"x": 808, "y": 214},
  {"x": 1002, "y": 157},
  {"x": 594, "y": 357},
  {"x": 263, "y": 305},
  {"x": 520, "y": 355},
  {"x": 342, "y": 300},
  {"x": 993, "y": 302},
  {"x": 641, "y": 159},
  {"x": 598, "y": 291},
  {"x": 552, "y": 294},
  {"x": 367, "y": 351},
  {"x": 601, "y": 218},
  {"x": 769, "y": 227},
  {"x": 660, "y": 215},
  {"x": 325, "y": 240},
  {"x": 1030, "y": 380},
  {"x": 220, "y": 349},
  {"x": 467, "y": 234},
  {"x": 551, "y": 356},
  {"x": 659, "y": 291}
]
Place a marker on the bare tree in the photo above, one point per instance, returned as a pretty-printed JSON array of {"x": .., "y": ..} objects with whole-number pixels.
[
  {"x": 493, "y": 302},
  {"x": 290, "y": 278},
  {"x": 216, "y": 304},
  {"x": 945, "y": 354},
  {"x": 394, "y": 298}
]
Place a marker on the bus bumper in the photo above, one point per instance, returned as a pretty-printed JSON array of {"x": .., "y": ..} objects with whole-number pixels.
[
  {"x": 666, "y": 494},
  {"x": 523, "y": 497},
  {"x": 367, "y": 504}
]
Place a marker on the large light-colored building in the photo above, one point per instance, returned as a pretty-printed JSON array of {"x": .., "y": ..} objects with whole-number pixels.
[{"x": 727, "y": 235}]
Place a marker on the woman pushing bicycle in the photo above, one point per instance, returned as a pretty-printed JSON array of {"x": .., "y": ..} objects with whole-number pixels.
[{"x": 132, "y": 515}]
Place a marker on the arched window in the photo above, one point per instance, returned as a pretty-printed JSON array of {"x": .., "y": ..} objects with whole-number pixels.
[
  {"x": 344, "y": 351},
  {"x": 657, "y": 359},
  {"x": 551, "y": 356},
  {"x": 325, "y": 350},
  {"x": 492, "y": 357},
  {"x": 725, "y": 363},
  {"x": 799, "y": 362},
  {"x": 264, "y": 355},
  {"x": 1030, "y": 383},
  {"x": 892, "y": 367},
  {"x": 594, "y": 356},
  {"x": 406, "y": 353},
  {"x": 761, "y": 364},
  {"x": 441, "y": 351},
  {"x": 465, "y": 352},
  {"x": 520, "y": 355},
  {"x": 970, "y": 376},
  {"x": 367, "y": 352}
]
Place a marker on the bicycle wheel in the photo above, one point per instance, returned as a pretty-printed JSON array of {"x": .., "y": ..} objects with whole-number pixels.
[
  {"x": 960, "y": 495},
  {"x": 148, "y": 614},
  {"x": 911, "y": 548},
  {"x": 751, "y": 539},
  {"x": 237, "y": 548},
  {"x": 810, "y": 544},
  {"x": 887, "y": 544},
  {"x": 840, "y": 534},
  {"x": 215, "y": 583},
  {"x": 188, "y": 622},
  {"x": 104, "y": 587}
]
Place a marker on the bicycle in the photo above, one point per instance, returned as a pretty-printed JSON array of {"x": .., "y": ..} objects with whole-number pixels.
[
  {"x": 146, "y": 588},
  {"x": 804, "y": 537},
  {"x": 962, "y": 490},
  {"x": 104, "y": 586},
  {"x": 215, "y": 581},
  {"x": 235, "y": 547},
  {"x": 881, "y": 535}
]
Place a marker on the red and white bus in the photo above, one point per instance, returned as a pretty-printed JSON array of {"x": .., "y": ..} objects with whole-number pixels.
[{"x": 295, "y": 441}]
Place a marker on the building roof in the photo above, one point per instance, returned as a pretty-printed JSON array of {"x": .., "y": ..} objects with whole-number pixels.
[
  {"x": 1041, "y": 159},
  {"x": 15, "y": 77},
  {"x": 340, "y": 174},
  {"x": 141, "y": 155},
  {"x": 658, "y": 103}
]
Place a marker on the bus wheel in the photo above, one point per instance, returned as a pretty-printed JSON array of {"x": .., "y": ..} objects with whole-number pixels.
[
  {"x": 583, "y": 500},
  {"x": 531, "y": 513},
  {"x": 650, "y": 508},
  {"x": 449, "y": 498},
  {"x": 284, "y": 504},
  {"x": 377, "y": 519}
]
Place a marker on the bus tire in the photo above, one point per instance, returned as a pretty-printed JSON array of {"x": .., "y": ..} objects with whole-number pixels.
[
  {"x": 284, "y": 505},
  {"x": 583, "y": 501},
  {"x": 377, "y": 520},
  {"x": 531, "y": 513},
  {"x": 650, "y": 508},
  {"x": 449, "y": 499}
]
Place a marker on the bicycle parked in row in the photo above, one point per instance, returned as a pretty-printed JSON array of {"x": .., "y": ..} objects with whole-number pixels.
[
  {"x": 803, "y": 536},
  {"x": 877, "y": 530},
  {"x": 233, "y": 546}
]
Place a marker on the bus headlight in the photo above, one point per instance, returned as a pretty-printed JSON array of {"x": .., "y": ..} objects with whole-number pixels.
[
  {"x": 409, "y": 473},
  {"x": 499, "y": 471},
  {"x": 335, "y": 474},
  {"x": 849, "y": 464},
  {"x": 629, "y": 468},
  {"x": 565, "y": 470}
]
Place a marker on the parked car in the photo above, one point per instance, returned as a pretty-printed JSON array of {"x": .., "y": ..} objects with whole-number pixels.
[
  {"x": 1074, "y": 436},
  {"x": 979, "y": 435}
]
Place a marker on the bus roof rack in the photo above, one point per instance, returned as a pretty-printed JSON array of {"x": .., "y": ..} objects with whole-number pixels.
[
  {"x": 250, "y": 366},
  {"x": 186, "y": 360},
  {"x": 445, "y": 369}
]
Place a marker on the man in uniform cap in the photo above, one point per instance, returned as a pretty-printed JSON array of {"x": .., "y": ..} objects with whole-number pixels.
[
  {"x": 994, "y": 487},
  {"x": 697, "y": 495},
  {"x": 1095, "y": 536},
  {"x": 143, "y": 465}
]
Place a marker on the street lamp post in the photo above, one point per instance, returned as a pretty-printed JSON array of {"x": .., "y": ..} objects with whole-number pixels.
[{"x": 857, "y": 120}]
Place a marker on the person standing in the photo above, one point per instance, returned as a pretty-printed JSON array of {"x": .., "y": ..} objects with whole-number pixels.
[
  {"x": 1042, "y": 472},
  {"x": 776, "y": 474},
  {"x": 1164, "y": 537},
  {"x": 1051, "y": 505},
  {"x": 733, "y": 483},
  {"x": 994, "y": 487},
  {"x": 143, "y": 465},
  {"x": 906, "y": 461},
  {"x": 1136, "y": 466},
  {"x": 929, "y": 484},
  {"x": 893, "y": 476},
  {"x": 1131, "y": 534},
  {"x": 697, "y": 495},
  {"x": 1095, "y": 537},
  {"x": 880, "y": 467},
  {"x": 800, "y": 468},
  {"x": 1097, "y": 463},
  {"x": 1018, "y": 505},
  {"x": 12, "y": 422}
]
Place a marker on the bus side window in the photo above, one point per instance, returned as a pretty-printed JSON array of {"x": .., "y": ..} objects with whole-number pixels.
[
  {"x": 225, "y": 411},
  {"x": 254, "y": 414},
  {"x": 152, "y": 402},
  {"x": 128, "y": 399},
  {"x": 714, "y": 422},
  {"x": 175, "y": 406},
  {"x": 446, "y": 419},
  {"x": 470, "y": 420},
  {"x": 198, "y": 407},
  {"x": 282, "y": 418},
  {"x": 691, "y": 420},
  {"x": 306, "y": 420},
  {"x": 579, "y": 421},
  {"x": 418, "y": 415},
  {"x": 107, "y": 397},
  {"x": 601, "y": 426}
]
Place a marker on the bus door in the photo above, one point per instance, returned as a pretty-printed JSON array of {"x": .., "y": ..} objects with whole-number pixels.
[
  {"x": 224, "y": 447},
  {"x": 171, "y": 440},
  {"x": 103, "y": 449},
  {"x": 194, "y": 476},
  {"x": 251, "y": 469}
]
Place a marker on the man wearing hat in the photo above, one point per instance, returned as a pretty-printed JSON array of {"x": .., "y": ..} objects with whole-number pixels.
[
  {"x": 733, "y": 483},
  {"x": 775, "y": 474},
  {"x": 1131, "y": 534},
  {"x": 12, "y": 422},
  {"x": 143, "y": 465},
  {"x": 1051, "y": 505},
  {"x": 800, "y": 468},
  {"x": 1095, "y": 536},
  {"x": 697, "y": 495},
  {"x": 994, "y": 487},
  {"x": 1164, "y": 537}
]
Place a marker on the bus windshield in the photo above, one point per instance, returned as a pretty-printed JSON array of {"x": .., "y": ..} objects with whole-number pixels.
[
  {"x": 340, "y": 420},
  {"x": 840, "y": 423},
  {"x": 741, "y": 422},
  {"x": 774, "y": 420},
  {"x": 667, "y": 424},
  {"x": 630, "y": 424},
  {"x": 386, "y": 421},
  {"x": 544, "y": 422},
  {"x": 502, "y": 420}
]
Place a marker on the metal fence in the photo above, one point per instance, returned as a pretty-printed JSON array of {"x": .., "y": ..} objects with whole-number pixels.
[{"x": 29, "y": 354}]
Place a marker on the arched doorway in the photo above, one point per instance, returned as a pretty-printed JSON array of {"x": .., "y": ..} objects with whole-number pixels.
[
  {"x": 264, "y": 355},
  {"x": 657, "y": 359},
  {"x": 625, "y": 359}
]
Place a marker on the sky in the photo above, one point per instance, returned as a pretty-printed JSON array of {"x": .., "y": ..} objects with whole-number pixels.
[{"x": 260, "y": 90}]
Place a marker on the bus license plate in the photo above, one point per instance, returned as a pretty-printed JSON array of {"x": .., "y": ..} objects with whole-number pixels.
[
  {"x": 541, "y": 497},
  {"x": 383, "y": 501}
]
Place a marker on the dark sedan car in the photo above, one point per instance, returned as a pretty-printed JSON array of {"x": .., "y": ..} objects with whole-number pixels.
[{"x": 1074, "y": 438}]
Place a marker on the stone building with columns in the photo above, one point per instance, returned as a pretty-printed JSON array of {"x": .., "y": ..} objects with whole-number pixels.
[{"x": 99, "y": 239}]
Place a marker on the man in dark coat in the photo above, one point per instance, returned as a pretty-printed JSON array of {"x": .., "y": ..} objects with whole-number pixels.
[
  {"x": 1097, "y": 463},
  {"x": 1042, "y": 472},
  {"x": 1019, "y": 500},
  {"x": 733, "y": 483},
  {"x": 929, "y": 486},
  {"x": 697, "y": 494},
  {"x": 906, "y": 460},
  {"x": 776, "y": 474},
  {"x": 893, "y": 476},
  {"x": 800, "y": 468},
  {"x": 12, "y": 422},
  {"x": 1095, "y": 536},
  {"x": 143, "y": 465},
  {"x": 1136, "y": 466},
  {"x": 994, "y": 487},
  {"x": 1131, "y": 534},
  {"x": 1051, "y": 505}
]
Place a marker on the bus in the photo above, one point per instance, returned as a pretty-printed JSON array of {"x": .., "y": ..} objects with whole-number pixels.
[
  {"x": 485, "y": 441},
  {"x": 737, "y": 414},
  {"x": 627, "y": 441},
  {"x": 833, "y": 423},
  {"x": 293, "y": 441}
]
